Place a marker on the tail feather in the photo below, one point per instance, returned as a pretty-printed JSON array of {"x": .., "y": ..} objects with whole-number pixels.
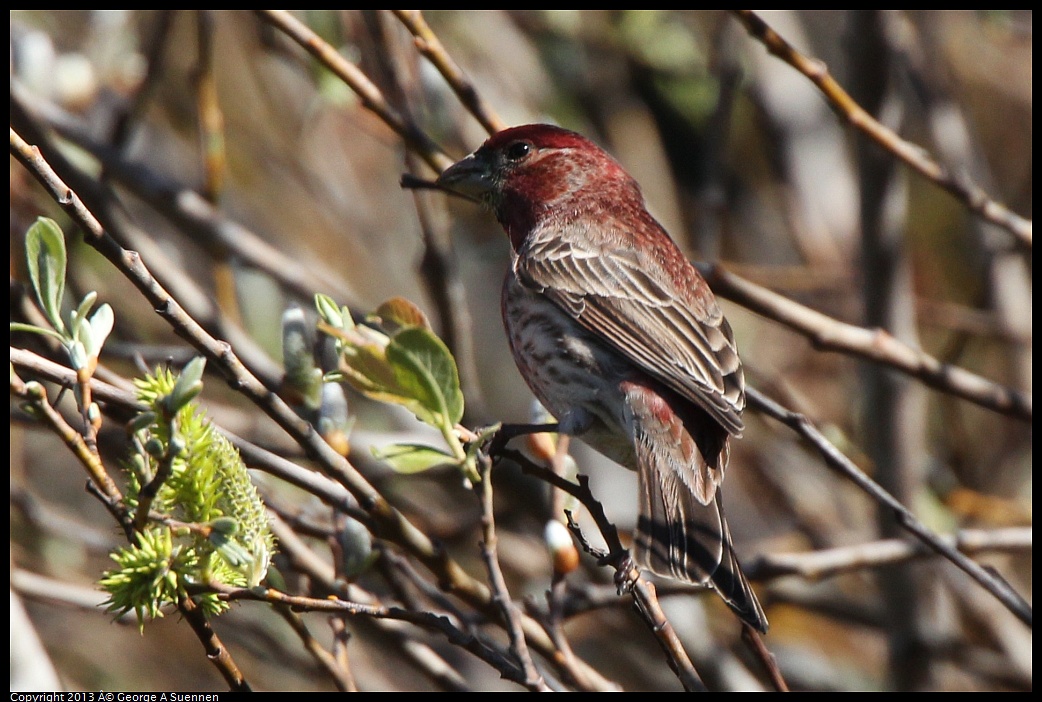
[{"x": 679, "y": 537}]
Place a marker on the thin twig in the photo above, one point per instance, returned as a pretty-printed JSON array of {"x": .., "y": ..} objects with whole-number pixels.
[
  {"x": 500, "y": 594},
  {"x": 148, "y": 493},
  {"x": 157, "y": 43},
  {"x": 835, "y": 459},
  {"x": 644, "y": 596},
  {"x": 826, "y": 563},
  {"x": 327, "y": 661},
  {"x": 428, "y": 44},
  {"x": 322, "y": 577},
  {"x": 426, "y": 620},
  {"x": 754, "y": 641},
  {"x": 208, "y": 108},
  {"x": 216, "y": 652},
  {"x": 364, "y": 88},
  {"x": 198, "y": 218},
  {"x": 872, "y": 344},
  {"x": 340, "y": 638},
  {"x": 36, "y": 396},
  {"x": 965, "y": 190},
  {"x": 553, "y": 621}
]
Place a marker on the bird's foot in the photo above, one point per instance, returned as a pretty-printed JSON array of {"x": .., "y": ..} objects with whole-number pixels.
[
  {"x": 626, "y": 574},
  {"x": 511, "y": 431}
]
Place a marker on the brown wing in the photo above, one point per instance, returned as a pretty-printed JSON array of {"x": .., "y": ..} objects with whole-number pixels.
[{"x": 672, "y": 329}]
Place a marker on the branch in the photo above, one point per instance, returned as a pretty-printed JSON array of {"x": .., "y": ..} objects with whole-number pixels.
[
  {"x": 835, "y": 459},
  {"x": 500, "y": 595},
  {"x": 834, "y": 561},
  {"x": 364, "y": 88},
  {"x": 36, "y": 396},
  {"x": 917, "y": 158},
  {"x": 644, "y": 595},
  {"x": 872, "y": 344},
  {"x": 428, "y": 44}
]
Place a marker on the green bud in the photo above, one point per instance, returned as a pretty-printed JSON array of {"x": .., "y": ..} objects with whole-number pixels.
[
  {"x": 225, "y": 525},
  {"x": 188, "y": 385},
  {"x": 155, "y": 448},
  {"x": 141, "y": 422}
]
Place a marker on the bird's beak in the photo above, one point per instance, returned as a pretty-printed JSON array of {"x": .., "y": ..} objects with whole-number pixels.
[{"x": 470, "y": 177}]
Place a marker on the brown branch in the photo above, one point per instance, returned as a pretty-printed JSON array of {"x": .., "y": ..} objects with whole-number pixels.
[
  {"x": 644, "y": 596},
  {"x": 835, "y": 460},
  {"x": 337, "y": 669},
  {"x": 364, "y": 88},
  {"x": 157, "y": 43},
  {"x": 350, "y": 599},
  {"x": 500, "y": 594},
  {"x": 197, "y": 217},
  {"x": 428, "y": 44},
  {"x": 755, "y": 643},
  {"x": 826, "y": 563},
  {"x": 872, "y": 344},
  {"x": 216, "y": 651},
  {"x": 965, "y": 190},
  {"x": 36, "y": 396}
]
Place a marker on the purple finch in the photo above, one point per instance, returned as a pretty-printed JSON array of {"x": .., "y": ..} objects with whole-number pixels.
[{"x": 621, "y": 339}]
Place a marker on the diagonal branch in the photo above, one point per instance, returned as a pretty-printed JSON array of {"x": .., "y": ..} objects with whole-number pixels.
[
  {"x": 366, "y": 90},
  {"x": 873, "y": 344},
  {"x": 835, "y": 459},
  {"x": 428, "y": 44},
  {"x": 915, "y": 157}
]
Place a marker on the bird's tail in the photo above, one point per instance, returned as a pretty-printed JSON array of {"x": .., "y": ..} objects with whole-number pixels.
[{"x": 679, "y": 537}]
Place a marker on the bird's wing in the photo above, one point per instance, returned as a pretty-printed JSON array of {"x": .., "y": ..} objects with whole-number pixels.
[{"x": 620, "y": 294}]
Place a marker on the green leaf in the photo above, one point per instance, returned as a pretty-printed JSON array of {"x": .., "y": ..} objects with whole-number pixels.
[
  {"x": 18, "y": 326},
  {"x": 328, "y": 310},
  {"x": 367, "y": 369},
  {"x": 426, "y": 370},
  {"x": 188, "y": 385},
  {"x": 413, "y": 458},
  {"x": 399, "y": 313},
  {"x": 45, "y": 255},
  {"x": 101, "y": 323}
]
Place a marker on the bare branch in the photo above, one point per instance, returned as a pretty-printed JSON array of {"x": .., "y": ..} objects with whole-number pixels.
[
  {"x": 360, "y": 84},
  {"x": 428, "y": 44},
  {"x": 967, "y": 192},
  {"x": 835, "y": 459},
  {"x": 872, "y": 344},
  {"x": 829, "y": 562}
]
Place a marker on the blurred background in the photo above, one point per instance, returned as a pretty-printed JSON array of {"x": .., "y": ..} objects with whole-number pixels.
[{"x": 249, "y": 177}]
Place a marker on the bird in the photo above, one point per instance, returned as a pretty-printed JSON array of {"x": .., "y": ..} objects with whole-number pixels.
[{"x": 621, "y": 339}]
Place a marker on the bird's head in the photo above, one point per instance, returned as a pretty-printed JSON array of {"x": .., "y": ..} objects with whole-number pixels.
[{"x": 529, "y": 173}]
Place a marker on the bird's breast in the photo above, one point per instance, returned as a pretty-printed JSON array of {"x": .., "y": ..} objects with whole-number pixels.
[{"x": 577, "y": 377}]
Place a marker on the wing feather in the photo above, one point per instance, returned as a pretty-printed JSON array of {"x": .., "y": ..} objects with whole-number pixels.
[{"x": 671, "y": 329}]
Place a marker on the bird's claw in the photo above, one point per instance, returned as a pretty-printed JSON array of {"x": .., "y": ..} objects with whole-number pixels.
[{"x": 626, "y": 574}]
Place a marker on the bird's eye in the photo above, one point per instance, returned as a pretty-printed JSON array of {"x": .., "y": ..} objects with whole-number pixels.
[{"x": 518, "y": 150}]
